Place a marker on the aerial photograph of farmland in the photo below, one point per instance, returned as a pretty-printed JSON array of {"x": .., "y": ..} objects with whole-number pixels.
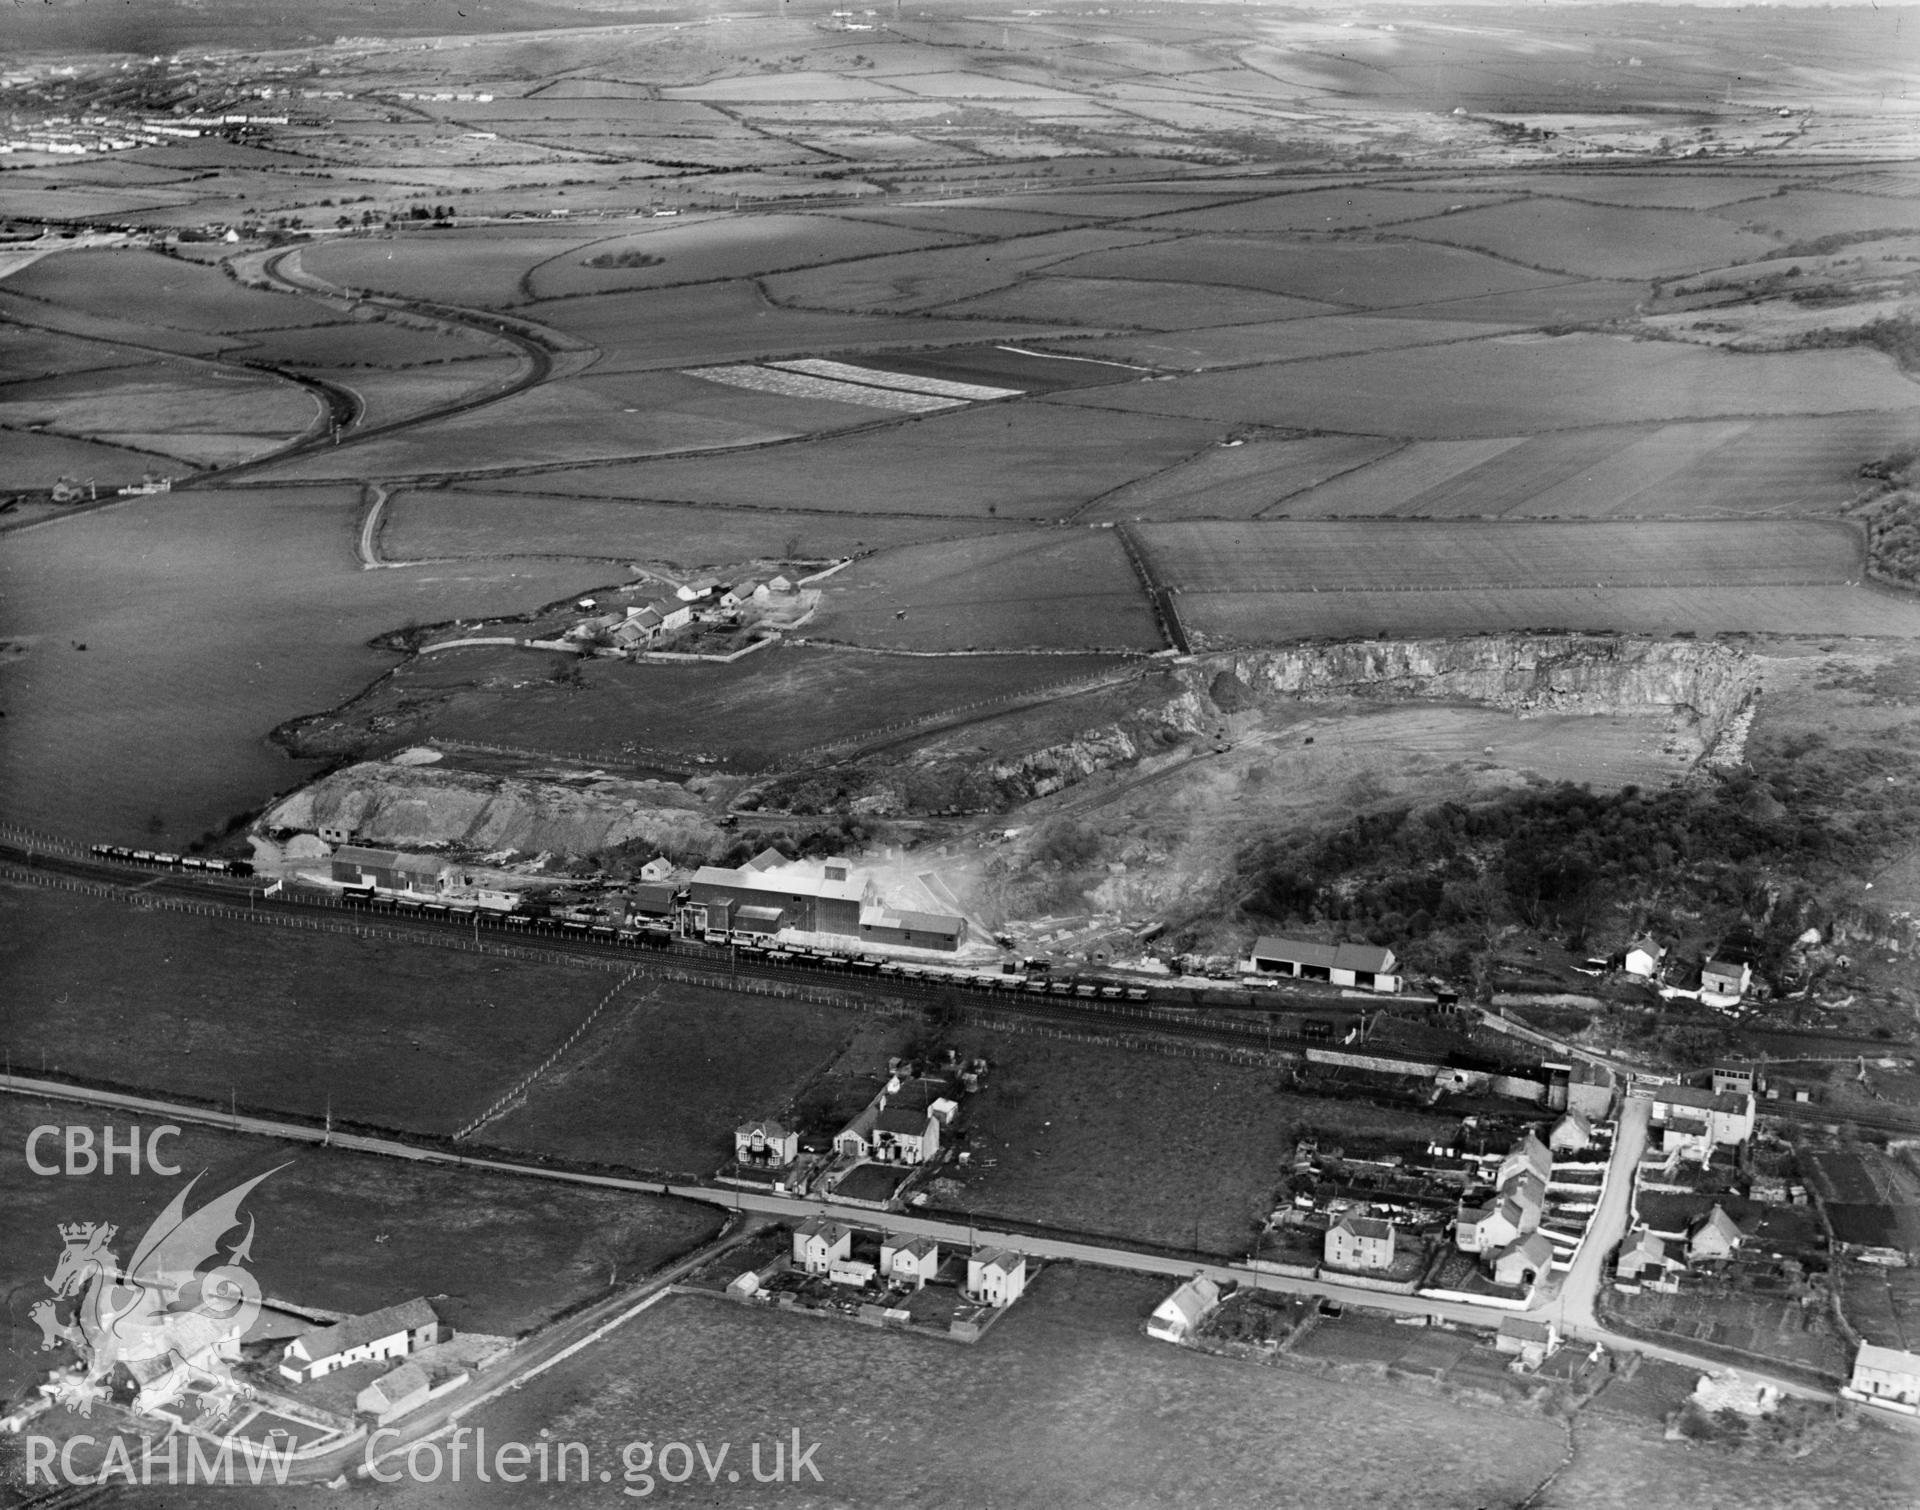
[{"x": 1196, "y": 724}]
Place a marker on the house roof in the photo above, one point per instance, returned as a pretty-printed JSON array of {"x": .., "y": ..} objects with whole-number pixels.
[
  {"x": 1700, "y": 1099},
  {"x": 1365, "y": 957},
  {"x": 766, "y": 1127},
  {"x": 900, "y": 1119},
  {"x": 1371, "y": 1227},
  {"x": 791, "y": 881},
  {"x": 395, "y": 1386},
  {"x": 357, "y": 1331},
  {"x": 824, "y": 1228},
  {"x": 1725, "y": 966},
  {"x": 1534, "y": 1247},
  {"x": 652, "y": 896},
  {"x": 646, "y": 618},
  {"x": 1526, "y": 1331},
  {"x": 913, "y": 1247},
  {"x": 1644, "y": 1242},
  {"x": 1002, "y": 1259},
  {"x": 360, "y": 855},
  {"x": 1890, "y": 1359},
  {"x": 767, "y": 859},
  {"x": 1718, "y": 1221},
  {"x": 1192, "y": 1300},
  {"x": 1647, "y": 944}
]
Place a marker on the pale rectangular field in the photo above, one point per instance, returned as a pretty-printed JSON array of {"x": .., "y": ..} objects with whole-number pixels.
[
  {"x": 443, "y": 524},
  {"x": 936, "y": 387},
  {"x": 1597, "y": 241},
  {"x": 1075, "y": 591},
  {"x": 1238, "y": 482},
  {"x": 1009, "y": 461},
  {"x": 1422, "y": 556},
  {"x": 1220, "y": 619},
  {"x": 789, "y": 384},
  {"x": 1521, "y": 384}
]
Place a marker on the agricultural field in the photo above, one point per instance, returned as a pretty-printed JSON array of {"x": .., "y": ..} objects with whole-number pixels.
[
  {"x": 1164, "y": 1150},
  {"x": 215, "y": 1011},
  {"x": 482, "y": 267},
  {"x": 363, "y": 343},
  {"x": 38, "y": 459},
  {"x": 1597, "y": 241},
  {"x": 1139, "y": 304},
  {"x": 444, "y": 525},
  {"x": 1216, "y": 620},
  {"x": 1805, "y": 214},
  {"x": 1239, "y": 482},
  {"x": 1066, "y": 1402},
  {"x": 1520, "y": 384},
  {"x": 1339, "y": 209},
  {"x": 765, "y": 707},
  {"x": 1301, "y": 338},
  {"x": 670, "y": 1070},
  {"x": 999, "y": 592},
  {"x": 403, "y": 393},
  {"x": 350, "y": 1232},
  {"x": 201, "y": 415},
  {"x": 1418, "y": 556},
  {"x": 144, "y": 288},
  {"x": 1008, "y": 461},
  {"x": 161, "y": 670}
]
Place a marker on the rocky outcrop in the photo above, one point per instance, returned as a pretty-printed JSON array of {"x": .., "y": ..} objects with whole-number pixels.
[
  {"x": 1548, "y": 673},
  {"x": 403, "y": 806}
]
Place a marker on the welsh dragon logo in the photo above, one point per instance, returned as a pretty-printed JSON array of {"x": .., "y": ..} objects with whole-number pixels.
[{"x": 172, "y": 1322}]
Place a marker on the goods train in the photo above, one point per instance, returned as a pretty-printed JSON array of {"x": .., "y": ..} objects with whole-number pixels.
[{"x": 161, "y": 859}]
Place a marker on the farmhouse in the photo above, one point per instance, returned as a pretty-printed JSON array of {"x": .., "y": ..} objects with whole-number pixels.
[
  {"x": 909, "y": 1261},
  {"x": 1337, "y": 964},
  {"x": 1888, "y": 1375},
  {"x": 996, "y": 1276},
  {"x": 819, "y": 1244},
  {"x": 1179, "y": 1316},
  {"x": 1643, "y": 956},
  {"x": 765, "y": 1144},
  {"x": 1360, "y": 1242},
  {"x": 392, "y": 1332}
]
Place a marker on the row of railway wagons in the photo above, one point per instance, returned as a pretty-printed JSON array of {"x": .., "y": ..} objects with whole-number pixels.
[{"x": 161, "y": 859}]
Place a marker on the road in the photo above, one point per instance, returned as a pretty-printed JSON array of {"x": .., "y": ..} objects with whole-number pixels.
[{"x": 1570, "y": 1304}]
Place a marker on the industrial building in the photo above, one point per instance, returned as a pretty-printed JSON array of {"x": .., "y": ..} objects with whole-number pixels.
[
  {"x": 1338, "y": 964},
  {"x": 770, "y": 893}
]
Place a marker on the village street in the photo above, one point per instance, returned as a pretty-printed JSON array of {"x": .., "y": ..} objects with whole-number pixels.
[{"x": 1570, "y": 1303}]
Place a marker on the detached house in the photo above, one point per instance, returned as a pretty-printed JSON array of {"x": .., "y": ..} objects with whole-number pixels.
[
  {"x": 1717, "y": 1236},
  {"x": 1643, "y": 956},
  {"x": 1523, "y": 1263},
  {"x": 909, "y": 1261},
  {"x": 765, "y": 1144},
  {"x": 996, "y": 1276},
  {"x": 1642, "y": 1253},
  {"x": 1179, "y": 1316},
  {"x": 1360, "y": 1242},
  {"x": 1886, "y": 1375},
  {"x": 1725, "y": 978},
  {"x": 820, "y": 1244},
  {"x": 392, "y": 1332},
  {"x": 1698, "y": 1121},
  {"x": 902, "y": 1135}
]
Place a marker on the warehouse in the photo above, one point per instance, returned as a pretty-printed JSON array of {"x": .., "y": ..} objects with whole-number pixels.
[
  {"x": 828, "y": 902},
  {"x": 913, "y": 930},
  {"x": 1338, "y": 964}
]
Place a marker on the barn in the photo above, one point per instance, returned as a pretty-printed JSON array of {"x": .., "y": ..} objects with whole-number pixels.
[{"x": 1364, "y": 965}]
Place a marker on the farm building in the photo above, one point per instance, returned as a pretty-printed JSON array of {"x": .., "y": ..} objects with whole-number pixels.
[
  {"x": 393, "y": 1395},
  {"x": 1359, "y": 1242},
  {"x": 996, "y": 1276},
  {"x": 1532, "y": 1342},
  {"x": 392, "y": 1332},
  {"x": 1338, "y": 964},
  {"x": 1697, "y": 1121},
  {"x": 1523, "y": 1263},
  {"x": 915, "y": 930},
  {"x": 765, "y": 1143},
  {"x": 1179, "y": 1316},
  {"x": 1725, "y": 978},
  {"x": 819, "y": 1244},
  {"x": 1886, "y": 1375},
  {"x": 909, "y": 1260}
]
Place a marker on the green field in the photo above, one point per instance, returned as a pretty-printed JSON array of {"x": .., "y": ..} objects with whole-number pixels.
[
  {"x": 146, "y": 288},
  {"x": 1597, "y": 241}
]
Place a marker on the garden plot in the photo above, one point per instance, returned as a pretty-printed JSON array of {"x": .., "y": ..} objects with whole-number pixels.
[
  {"x": 436, "y": 525},
  {"x": 1238, "y": 482},
  {"x": 720, "y": 322},
  {"x": 1597, "y": 241},
  {"x": 1220, "y": 619},
  {"x": 1024, "y": 460},
  {"x": 787, "y": 383},
  {"x": 1002, "y": 592},
  {"x": 1324, "y": 210},
  {"x": 1523, "y": 384},
  {"x": 698, "y": 251},
  {"x": 1458, "y": 555},
  {"x": 1288, "y": 340},
  {"x": 1125, "y": 303},
  {"x": 1370, "y": 275},
  {"x": 145, "y": 288}
]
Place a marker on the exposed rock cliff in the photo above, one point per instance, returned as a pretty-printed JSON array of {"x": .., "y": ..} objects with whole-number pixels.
[{"x": 397, "y": 805}]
